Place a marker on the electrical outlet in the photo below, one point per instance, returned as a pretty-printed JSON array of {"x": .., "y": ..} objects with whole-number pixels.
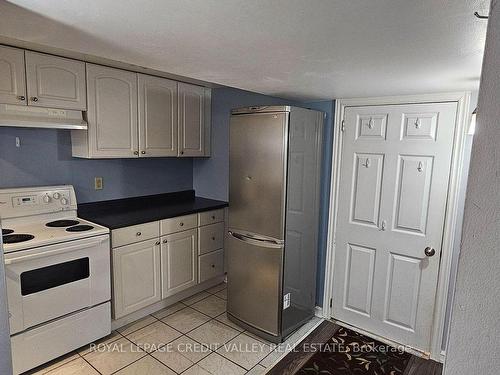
[{"x": 98, "y": 183}]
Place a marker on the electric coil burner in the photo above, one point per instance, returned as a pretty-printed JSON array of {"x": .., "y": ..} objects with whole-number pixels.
[
  {"x": 62, "y": 223},
  {"x": 7, "y": 231},
  {"x": 79, "y": 228},
  {"x": 15, "y": 238}
]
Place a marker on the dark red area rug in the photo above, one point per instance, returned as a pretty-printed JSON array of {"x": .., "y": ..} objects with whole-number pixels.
[{"x": 350, "y": 353}]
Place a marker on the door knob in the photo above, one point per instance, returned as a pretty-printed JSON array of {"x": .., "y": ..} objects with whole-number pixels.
[{"x": 429, "y": 251}]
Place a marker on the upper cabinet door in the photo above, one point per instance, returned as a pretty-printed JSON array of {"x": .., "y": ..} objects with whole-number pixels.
[
  {"x": 55, "y": 82},
  {"x": 157, "y": 116},
  {"x": 194, "y": 121},
  {"x": 12, "y": 76},
  {"x": 112, "y": 112}
]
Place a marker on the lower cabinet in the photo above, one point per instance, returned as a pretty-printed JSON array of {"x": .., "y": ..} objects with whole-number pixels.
[
  {"x": 210, "y": 265},
  {"x": 155, "y": 260},
  {"x": 179, "y": 253},
  {"x": 136, "y": 275}
]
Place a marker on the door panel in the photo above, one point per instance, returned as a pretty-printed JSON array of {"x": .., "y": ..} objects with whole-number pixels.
[
  {"x": 359, "y": 279},
  {"x": 367, "y": 188},
  {"x": 257, "y": 178},
  {"x": 157, "y": 116},
  {"x": 136, "y": 277},
  {"x": 55, "y": 82},
  {"x": 395, "y": 166},
  {"x": 254, "y": 283},
  {"x": 403, "y": 288},
  {"x": 191, "y": 120},
  {"x": 413, "y": 191},
  {"x": 12, "y": 76},
  {"x": 179, "y": 262},
  {"x": 112, "y": 112}
]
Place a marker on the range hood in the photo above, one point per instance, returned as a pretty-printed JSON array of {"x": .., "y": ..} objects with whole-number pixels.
[{"x": 37, "y": 117}]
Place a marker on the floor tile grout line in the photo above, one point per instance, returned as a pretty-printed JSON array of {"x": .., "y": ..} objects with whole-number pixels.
[
  {"x": 258, "y": 363},
  {"x": 90, "y": 364},
  {"x": 164, "y": 364}
]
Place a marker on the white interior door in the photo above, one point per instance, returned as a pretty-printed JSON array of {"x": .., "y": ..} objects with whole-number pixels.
[{"x": 395, "y": 168}]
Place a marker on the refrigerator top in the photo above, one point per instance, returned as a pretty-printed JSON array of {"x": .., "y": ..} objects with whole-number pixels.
[{"x": 261, "y": 109}]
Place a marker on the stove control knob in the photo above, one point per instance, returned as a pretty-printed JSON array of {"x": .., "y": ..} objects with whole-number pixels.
[
  {"x": 56, "y": 195},
  {"x": 46, "y": 199},
  {"x": 64, "y": 201}
]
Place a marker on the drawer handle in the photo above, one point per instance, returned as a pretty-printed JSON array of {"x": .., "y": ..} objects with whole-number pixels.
[
  {"x": 213, "y": 238},
  {"x": 181, "y": 224},
  {"x": 138, "y": 234},
  {"x": 165, "y": 241}
]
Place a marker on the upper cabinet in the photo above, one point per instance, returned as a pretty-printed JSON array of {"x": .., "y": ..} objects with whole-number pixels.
[
  {"x": 12, "y": 76},
  {"x": 157, "y": 116},
  {"x": 134, "y": 115},
  {"x": 55, "y": 82},
  {"x": 41, "y": 80},
  {"x": 194, "y": 120},
  {"x": 112, "y": 115},
  {"x": 129, "y": 115}
]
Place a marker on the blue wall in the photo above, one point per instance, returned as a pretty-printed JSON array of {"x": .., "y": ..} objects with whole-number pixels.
[
  {"x": 44, "y": 158},
  {"x": 211, "y": 176}
]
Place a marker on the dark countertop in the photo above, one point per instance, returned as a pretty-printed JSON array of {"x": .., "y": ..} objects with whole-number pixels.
[{"x": 119, "y": 213}]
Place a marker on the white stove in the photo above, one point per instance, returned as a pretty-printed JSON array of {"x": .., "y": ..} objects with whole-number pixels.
[{"x": 58, "y": 274}]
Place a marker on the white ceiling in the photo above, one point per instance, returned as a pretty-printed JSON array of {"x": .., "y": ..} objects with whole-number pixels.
[{"x": 304, "y": 49}]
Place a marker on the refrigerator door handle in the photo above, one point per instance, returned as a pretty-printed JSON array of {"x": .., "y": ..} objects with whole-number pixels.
[{"x": 256, "y": 241}]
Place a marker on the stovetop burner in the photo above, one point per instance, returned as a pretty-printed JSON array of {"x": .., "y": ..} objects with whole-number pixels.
[
  {"x": 7, "y": 231},
  {"x": 62, "y": 223},
  {"x": 79, "y": 228},
  {"x": 15, "y": 238}
]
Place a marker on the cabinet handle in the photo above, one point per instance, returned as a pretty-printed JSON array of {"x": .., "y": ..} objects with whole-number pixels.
[
  {"x": 182, "y": 152},
  {"x": 143, "y": 152},
  {"x": 34, "y": 99},
  {"x": 181, "y": 224},
  {"x": 165, "y": 241},
  {"x": 213, "y": 238},
  {"x": 136, "y": 152},
  {"x": 21, "y": 97},
  {"x": 157, "y": 243},
  {"x": 213, "y": 217},
  {"x": 213, "y": 265},
  {"x": 138, "y": 234}
]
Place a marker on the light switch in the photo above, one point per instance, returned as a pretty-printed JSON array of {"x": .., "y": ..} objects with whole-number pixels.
[{"x": 98, "y": 183}]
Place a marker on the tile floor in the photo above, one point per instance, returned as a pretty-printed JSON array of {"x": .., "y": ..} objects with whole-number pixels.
[{"x": 192, "y": 337}]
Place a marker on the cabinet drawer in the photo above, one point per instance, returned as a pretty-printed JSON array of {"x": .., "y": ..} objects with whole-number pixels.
[
  {"x": 176, "y": 224},
  {"x": 210, "y": 265},
  {"x": 135, "y": 233},
  {"x": 210, "y": 238},
  {"x": 210, "y": 217}
]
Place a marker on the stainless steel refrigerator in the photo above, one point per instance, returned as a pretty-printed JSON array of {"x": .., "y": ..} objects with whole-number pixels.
[{"x": 273, "y": 221}]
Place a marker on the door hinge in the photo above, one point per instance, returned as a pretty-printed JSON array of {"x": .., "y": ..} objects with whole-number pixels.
[{"x": 342, "y": 128}]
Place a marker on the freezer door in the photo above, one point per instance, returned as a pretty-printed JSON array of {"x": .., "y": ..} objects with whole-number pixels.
[
  {"x": 254, "y": 281},
  {"x": 258, "y": 173}
]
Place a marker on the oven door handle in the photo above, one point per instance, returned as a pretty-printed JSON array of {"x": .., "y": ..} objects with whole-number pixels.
[{"x": 63, "y": 249}]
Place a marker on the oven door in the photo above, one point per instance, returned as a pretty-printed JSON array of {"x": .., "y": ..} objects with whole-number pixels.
[{"x": 48, "y": 282}]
